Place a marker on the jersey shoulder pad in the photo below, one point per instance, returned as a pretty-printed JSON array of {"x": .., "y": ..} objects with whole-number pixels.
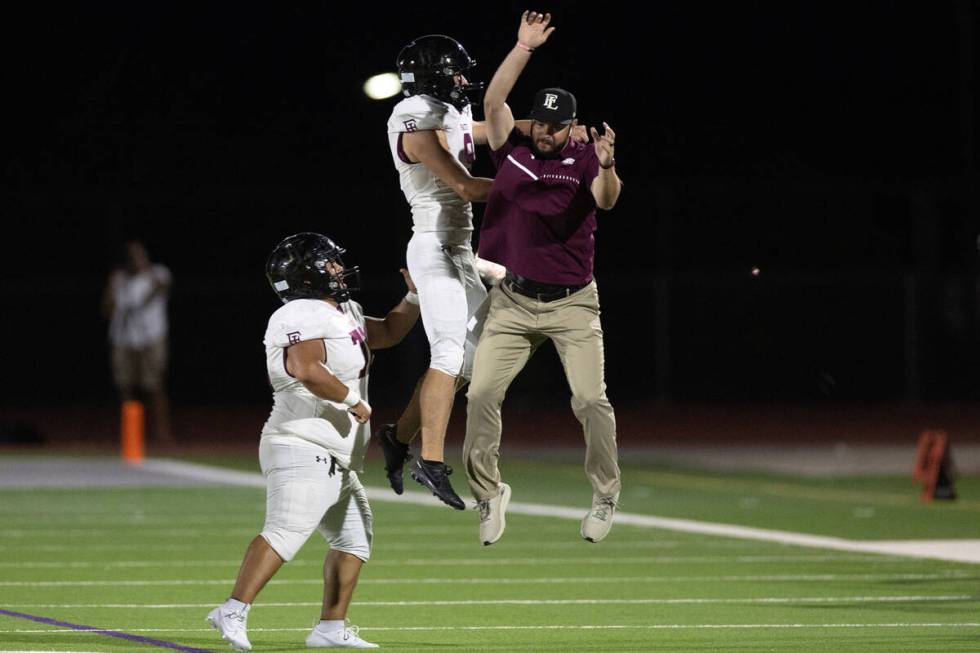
[
  {"x": 418, "y": 113},
  {"x": 299, "y": 320}
]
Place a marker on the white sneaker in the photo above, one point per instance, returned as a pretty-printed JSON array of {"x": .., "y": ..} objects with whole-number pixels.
[
  {"x": 340, "y": 638},
  {"x": 492, "y": 511},
  {"x": 232, "y": 625},
  {"x": 597, "y": 523}
]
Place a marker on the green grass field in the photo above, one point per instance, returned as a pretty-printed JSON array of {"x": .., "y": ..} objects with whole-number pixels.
[{"x": 152, "y": 562}]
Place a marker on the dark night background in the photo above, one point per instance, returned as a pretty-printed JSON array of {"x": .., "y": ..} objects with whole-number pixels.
[{"x": 831, "y": 145}]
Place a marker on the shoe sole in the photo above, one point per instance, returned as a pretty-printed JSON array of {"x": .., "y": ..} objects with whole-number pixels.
[
  {"x": 589, "y": 539},
  {"x": 424, "y": 482},
  {"x": 398, "y": 487},
  {"x": 504, "y": 502},
  {"x": 223, "y": 636}
]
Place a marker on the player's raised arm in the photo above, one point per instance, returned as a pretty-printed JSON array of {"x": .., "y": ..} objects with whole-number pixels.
[
  {"x": 390, "y": 330},
  {"x": 531, "y": 34}
]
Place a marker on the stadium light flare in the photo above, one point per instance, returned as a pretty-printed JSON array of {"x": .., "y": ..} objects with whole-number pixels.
[{"x": 383, "y": 86}]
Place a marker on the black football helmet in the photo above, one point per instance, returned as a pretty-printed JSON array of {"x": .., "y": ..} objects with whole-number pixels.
[
  {"x": 297, "y": 269},
  {"x": 428, "y": 65}
]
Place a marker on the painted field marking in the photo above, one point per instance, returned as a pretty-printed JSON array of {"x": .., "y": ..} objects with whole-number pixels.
[
  {"x": 108, "y": 632},
  {"x": 766, "y": 600},
  {"x": 562, "y": 627},
  {"x": 471, "y": 562},
  {"x": 558, "y": 580},
  {"x": 953, "y": 550}
]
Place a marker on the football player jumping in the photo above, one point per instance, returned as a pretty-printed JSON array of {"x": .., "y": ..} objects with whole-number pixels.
[{"x": 432, "y": 136}]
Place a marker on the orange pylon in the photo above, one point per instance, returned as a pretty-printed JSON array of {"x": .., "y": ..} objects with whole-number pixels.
[{"x": 133, "y": 432}]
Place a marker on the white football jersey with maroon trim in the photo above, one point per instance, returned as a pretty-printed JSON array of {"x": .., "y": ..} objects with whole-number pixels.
[
  {"x": 435, "y": 206},
  {"x": 298, "y": 412}
]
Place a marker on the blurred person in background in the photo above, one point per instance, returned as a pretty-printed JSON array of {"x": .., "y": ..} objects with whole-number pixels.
[{"x": 135, "y": 303}]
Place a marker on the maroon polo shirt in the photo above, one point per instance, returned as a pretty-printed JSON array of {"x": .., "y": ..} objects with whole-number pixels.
[{"x": 540, "y": 216}]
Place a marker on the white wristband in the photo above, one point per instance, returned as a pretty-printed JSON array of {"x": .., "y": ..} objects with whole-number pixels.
[
  {"x": 352, "y": 398},
  {"x": 412, "y": 298}
]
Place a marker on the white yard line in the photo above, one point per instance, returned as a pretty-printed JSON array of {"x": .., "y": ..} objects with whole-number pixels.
[
  {"x": 550, "y": 626},
  {"x": 555, "y": 580},
  {"x": 459, "y": 562},
  {"x": 764, "y": 600},
  {"x": 951, "y": 550}
]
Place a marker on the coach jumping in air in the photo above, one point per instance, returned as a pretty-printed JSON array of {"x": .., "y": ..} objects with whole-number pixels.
[{"x": 539, "y": 223}]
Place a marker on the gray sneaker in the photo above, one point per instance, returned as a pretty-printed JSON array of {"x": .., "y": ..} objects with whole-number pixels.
[
  {"x": 492, "y": 511},
  {"x": 597, "y": 523}
]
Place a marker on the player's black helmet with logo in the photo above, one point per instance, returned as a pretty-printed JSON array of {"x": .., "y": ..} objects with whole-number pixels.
[
  {"x": 297, "y": 269},
  {"x": 428, "y": 65}
]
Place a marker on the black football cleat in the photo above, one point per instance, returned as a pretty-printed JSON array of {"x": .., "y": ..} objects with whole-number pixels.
[
  {"x": 396, "y": 455},
  {"x": 435, "y": 476}
]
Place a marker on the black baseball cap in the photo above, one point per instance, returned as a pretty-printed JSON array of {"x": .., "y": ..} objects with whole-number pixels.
[{"x": 554, "y": 105}]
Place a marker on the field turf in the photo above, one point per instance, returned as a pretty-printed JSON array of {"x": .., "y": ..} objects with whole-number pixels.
[{"x": 151, "y": 562}]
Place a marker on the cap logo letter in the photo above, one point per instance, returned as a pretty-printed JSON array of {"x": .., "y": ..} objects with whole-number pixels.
[{"x": 549, "y": 101}]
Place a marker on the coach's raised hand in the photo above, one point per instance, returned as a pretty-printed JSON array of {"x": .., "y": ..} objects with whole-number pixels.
[{"x": 605, "y": 146}]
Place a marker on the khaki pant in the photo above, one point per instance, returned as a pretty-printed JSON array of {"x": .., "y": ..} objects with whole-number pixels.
[{"x": 515, "y": 327}]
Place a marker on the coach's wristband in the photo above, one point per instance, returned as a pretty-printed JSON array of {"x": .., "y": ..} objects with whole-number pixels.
[
  {"x": 352, "y": 398},
  {"x": 412, "y": 298}
]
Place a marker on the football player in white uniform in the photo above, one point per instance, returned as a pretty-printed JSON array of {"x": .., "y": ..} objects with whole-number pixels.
[
  {"x": 433, "y": 137},
  {"x": 312, "y": 447}
]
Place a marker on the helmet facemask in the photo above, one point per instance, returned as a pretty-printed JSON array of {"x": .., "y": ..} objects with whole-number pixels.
[
  {"x": 338, "y": 285},
  {"x": 300, "y": 268}
]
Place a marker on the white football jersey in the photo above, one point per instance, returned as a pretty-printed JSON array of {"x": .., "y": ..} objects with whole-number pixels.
[
  {"x": 297, "y": 411},
  {"x": 435, "y": 206}
]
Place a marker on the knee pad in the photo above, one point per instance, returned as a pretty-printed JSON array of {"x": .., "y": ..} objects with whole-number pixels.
[
  {"x": 447, "y": 356},
  {"x": 357, "y": 533},
  {"x": 358, "y": 547},
  {"x": 286, "y": 543}
]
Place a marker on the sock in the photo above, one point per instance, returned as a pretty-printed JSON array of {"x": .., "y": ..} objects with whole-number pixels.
[
  {"x": 327, "y": 625},
  {"x": 236, "y": 605},
  {"x": 432, "y": 462}
]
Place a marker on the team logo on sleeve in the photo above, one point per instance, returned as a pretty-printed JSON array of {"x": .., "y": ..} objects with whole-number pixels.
[
  {"x": 410, "y": 125},
  {"x": 293, "y": 337}
]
